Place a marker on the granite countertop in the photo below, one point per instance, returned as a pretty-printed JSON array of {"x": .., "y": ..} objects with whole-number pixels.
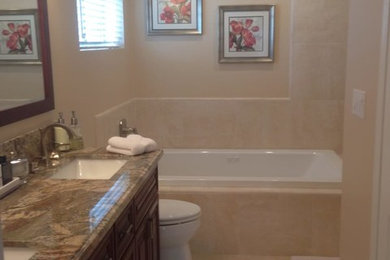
[{"x": 62, "y": 219}]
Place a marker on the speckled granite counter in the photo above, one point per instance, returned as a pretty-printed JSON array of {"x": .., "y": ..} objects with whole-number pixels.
[{"x": 65, "y": 219}]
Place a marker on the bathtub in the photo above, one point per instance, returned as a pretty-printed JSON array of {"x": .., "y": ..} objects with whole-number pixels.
[
  {"x": 249, "y": 168},
  {"x": 258, "y": 202}
]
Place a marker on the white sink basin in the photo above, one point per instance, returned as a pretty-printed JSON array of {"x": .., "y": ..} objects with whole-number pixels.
[
  {"x": 89, "y": 169},
  {"x": 18, "y": 253}
]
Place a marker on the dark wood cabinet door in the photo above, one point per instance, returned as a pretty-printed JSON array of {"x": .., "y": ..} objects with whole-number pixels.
[
  {"x": 124, "y": 230},
  {"x": 147, "y": 238},
  {"x": 141, "y": 243},
  {"x": 135, "y": 234},
  {"x": 130, "y": 253},
  {"x": 153, "y": 242},
  {"x": 106, "y": 249}
]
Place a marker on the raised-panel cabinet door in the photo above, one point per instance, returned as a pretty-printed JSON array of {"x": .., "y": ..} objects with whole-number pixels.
[
  {"x": 141, "y": 243},
  {"x": 153, "y": 233},
  {"x": 130, "y": 253},
  {"x": 106, "y": 249}
]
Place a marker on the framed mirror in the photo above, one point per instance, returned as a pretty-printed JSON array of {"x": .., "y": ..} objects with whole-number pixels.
[{"x": 26, "y": 83}]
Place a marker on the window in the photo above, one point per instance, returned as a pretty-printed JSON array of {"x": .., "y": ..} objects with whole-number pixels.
[{"x": 100, "y": 24}]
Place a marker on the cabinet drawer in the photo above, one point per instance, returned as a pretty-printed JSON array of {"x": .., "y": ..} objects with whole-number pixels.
[
  {"x": 145, "y": 198},
  {"x": 124, "y": 229}
]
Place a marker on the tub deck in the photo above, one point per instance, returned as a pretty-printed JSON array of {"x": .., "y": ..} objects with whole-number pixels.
[{"x": 251, "y": 168}]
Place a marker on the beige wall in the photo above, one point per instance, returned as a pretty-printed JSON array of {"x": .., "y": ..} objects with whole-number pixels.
[
  {"x": 188, "y": 66},
  {"x": 88, "y": 82},
  {"x": 295, "y": 102},
  {"x": 362, "y": 73},
  {"x": 186, "y": 99}
]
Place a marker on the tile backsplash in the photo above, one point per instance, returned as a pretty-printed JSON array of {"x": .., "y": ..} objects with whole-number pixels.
[{"x": 27, "y": 145}]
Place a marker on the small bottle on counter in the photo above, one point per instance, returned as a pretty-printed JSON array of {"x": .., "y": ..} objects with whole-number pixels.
[
  {"x": 6, "y": 170},
  {"x": 61, "y": 137},
  {"x": 77, "y": 142}
]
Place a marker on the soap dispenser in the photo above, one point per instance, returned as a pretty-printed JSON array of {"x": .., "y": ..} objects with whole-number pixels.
[
  {"x": 77, "y": 142},
  {"x": 61, "y": 137}
]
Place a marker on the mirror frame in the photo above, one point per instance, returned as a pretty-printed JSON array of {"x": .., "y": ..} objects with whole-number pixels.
[{"x": 12, "y": 115}]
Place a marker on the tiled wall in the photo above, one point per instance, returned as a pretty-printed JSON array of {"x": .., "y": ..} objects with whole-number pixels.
[
  {"x": 311, "y": 117},
  {"x": 229, "y": 123},
  {"x": 250, "y": 221}
]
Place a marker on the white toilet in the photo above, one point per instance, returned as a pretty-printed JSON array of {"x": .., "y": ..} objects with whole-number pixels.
[{"x": 179, "y": 221}]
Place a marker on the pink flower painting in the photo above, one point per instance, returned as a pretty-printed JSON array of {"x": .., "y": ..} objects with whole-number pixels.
[
  {"x": 15, "y": 37},
  {"x": 245, "y": 34},
  {"x": 175, "y": 11}
]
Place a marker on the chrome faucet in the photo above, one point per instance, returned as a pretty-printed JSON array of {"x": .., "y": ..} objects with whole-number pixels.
[
  {"x": 124, "y": 130},
  {"x": 44, "y": 131}
]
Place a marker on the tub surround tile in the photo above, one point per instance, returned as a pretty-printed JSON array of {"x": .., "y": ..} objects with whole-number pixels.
[
  {"x": 258, "y": 221},
  {"x": 281, "y": 223},
  {"x": 107, "y": 123},
  {"x": 312, "y": 24},
  {"x": 56, "y": 217},
  {"x": 319, "y": 124},
  {"x": 318, "y": 71},
  {"x": 325, "y": 225},
  {"x": 245, "y": 124}
]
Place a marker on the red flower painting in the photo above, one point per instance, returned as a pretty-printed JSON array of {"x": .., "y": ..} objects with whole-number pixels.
[
  {"x": 17, "y": 37},
  {"x": 175, "y": 11},
  {"x": 242, "y": 34}
]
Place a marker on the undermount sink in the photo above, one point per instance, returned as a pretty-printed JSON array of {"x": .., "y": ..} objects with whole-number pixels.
[
  {"x": 18, "y": 253},
  {"x": 94, "y": 169}
]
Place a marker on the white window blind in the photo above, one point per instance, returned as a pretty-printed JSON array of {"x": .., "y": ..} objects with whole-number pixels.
[{"x": 100, "y": 24}]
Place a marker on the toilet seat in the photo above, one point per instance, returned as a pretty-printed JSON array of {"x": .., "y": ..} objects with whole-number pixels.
[{"x": 173, "y": 212}]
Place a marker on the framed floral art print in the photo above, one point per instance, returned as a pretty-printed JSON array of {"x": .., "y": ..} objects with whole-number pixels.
[
  {"x": 174, "y": 17},
  {"x": 246, "y": 33},
  {"x": 19, "y": 37}
]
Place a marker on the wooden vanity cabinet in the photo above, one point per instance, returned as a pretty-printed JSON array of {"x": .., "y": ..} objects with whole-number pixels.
[
  {"x": 135, "y": 234},
  {"x": 106, "y": 248},
  {"x": 147, "y": 237}
]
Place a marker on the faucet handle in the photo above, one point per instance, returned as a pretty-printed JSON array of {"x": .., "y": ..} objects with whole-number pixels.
[{"x": 124, "y": 130}]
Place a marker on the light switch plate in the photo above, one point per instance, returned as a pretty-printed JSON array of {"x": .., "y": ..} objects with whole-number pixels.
[{"x": 358, "y": 102}]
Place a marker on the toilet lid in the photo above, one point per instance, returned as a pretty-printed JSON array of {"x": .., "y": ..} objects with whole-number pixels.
[{"x": 177, "y": 211}]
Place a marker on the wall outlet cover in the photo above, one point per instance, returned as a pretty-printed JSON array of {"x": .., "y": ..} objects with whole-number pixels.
[{"x": 358, "y": 103}]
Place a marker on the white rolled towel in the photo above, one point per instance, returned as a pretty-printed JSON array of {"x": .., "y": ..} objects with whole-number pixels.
[
  {"x": 149, "y": 144},
  {"x": 133, "y": 145},
  {"x": 113, "y": 149},
  {"x": 125, "y": 143}
]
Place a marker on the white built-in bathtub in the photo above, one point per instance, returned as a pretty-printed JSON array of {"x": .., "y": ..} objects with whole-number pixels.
[
  {"x": 265, "y": 168},
  {"x": 261, "y": 202}
]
